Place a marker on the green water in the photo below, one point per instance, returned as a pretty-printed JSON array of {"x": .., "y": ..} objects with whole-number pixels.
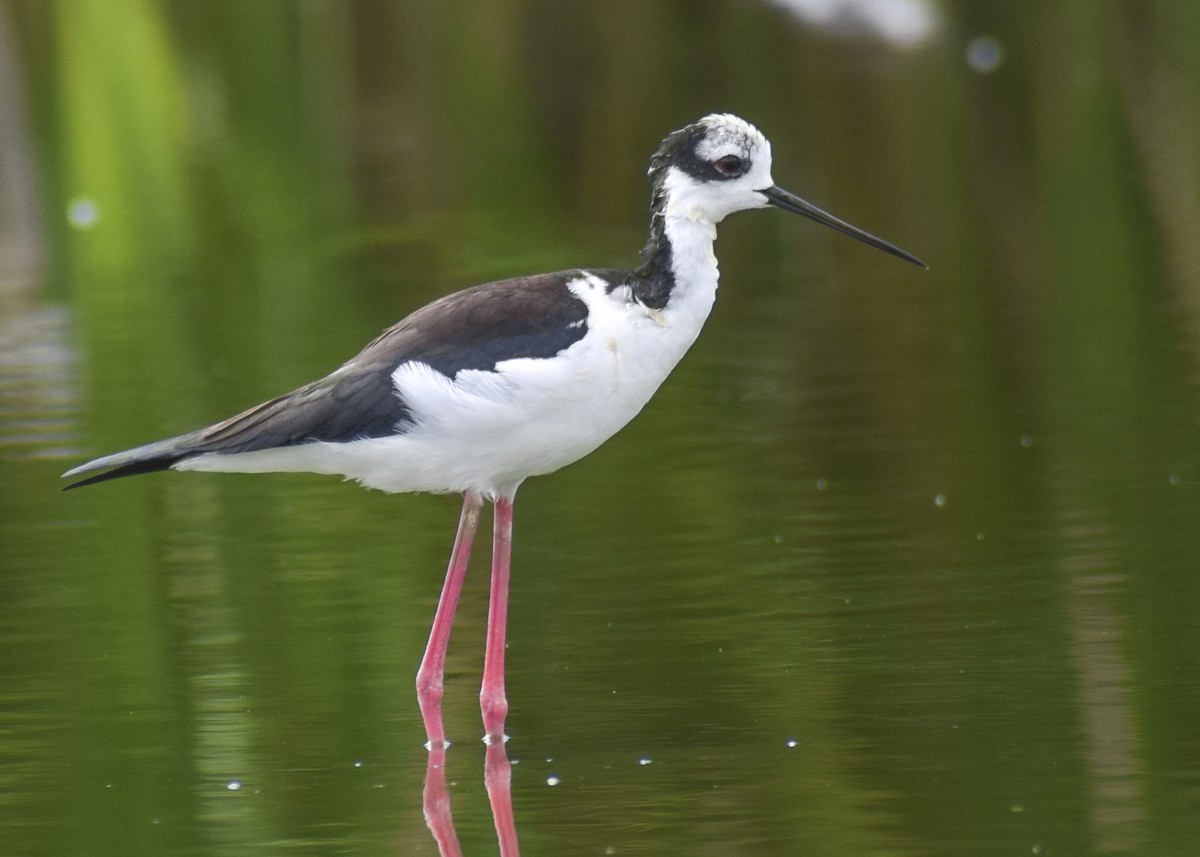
[{"x": 897, "y": 562}]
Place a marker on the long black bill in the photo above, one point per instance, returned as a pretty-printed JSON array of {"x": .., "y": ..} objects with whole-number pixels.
[{"x": 779, "y": 197}]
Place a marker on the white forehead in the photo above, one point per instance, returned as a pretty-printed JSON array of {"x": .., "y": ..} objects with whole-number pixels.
[{"x": 729, "y": 134}]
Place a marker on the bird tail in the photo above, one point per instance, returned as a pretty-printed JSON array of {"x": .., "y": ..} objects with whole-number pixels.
[
  {"x": 160, "y": 455},
  {"x": 356, "y": 401}
]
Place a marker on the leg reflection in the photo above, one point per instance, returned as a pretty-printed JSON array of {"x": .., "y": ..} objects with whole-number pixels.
[
  {"x": 497, "y": 777},
  {"x": 437, "y": 805}
]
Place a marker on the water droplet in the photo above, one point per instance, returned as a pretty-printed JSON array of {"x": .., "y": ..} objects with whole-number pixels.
[
  {"x": 984, "y": 54},
  {"x": 979, "y": 535},
  {"x": 82, "y": 213},
  {"x": 1027, "y": 440},
  {"x": 822, "y": 484},
  {"x": 1173, "y": 478},
  {"x": 939, "y": 500}
]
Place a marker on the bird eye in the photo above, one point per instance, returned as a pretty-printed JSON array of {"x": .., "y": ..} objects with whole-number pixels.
[{"x": 730, "y": 165}]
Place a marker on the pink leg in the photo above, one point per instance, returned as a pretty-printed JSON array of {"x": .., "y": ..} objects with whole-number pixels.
[
  {"x": 492, "y": 701},
  {"x": 429, "y": 676}
]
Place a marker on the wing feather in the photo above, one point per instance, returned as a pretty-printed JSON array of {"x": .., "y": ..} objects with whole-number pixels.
[{"x": 476, "y": 328}]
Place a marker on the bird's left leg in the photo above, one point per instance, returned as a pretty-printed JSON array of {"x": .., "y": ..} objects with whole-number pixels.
[{"x": 492, "y": 701}]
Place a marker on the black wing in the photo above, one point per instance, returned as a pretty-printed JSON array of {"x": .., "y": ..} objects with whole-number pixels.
[{"x": 476, "y": 328}]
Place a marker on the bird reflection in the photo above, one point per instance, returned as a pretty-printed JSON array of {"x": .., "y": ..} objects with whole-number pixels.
[{"x": 497, "y": 777}]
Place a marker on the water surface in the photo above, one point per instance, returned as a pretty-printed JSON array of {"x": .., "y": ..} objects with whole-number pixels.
[{"x": 897, "y": 562}]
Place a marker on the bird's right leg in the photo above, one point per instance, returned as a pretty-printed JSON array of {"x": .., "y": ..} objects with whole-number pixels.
[{"x": 433, "y": 664}]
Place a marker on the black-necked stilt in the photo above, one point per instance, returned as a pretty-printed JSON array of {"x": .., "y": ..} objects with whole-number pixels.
[{"x": 484, "y": 388}]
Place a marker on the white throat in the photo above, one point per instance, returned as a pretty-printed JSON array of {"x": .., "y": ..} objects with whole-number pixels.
[{"x": 694, "y": 269}]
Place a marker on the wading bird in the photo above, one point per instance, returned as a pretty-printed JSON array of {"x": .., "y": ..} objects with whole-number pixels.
[{"x": 482, "y": 389}]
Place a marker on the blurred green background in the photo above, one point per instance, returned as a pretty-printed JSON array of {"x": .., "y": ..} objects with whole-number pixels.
[{"x": 897, "y": 562}]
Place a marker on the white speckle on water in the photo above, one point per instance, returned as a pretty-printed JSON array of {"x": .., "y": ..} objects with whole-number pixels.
[
  {"x": 358, "y": 763},
  {"x": 552, "y": 780},
  {"x": 822, "y": 484},
  {"x": 233, "y": 785},
  {"x": 1027, "y": 440},
  {"x": 979, "y": 535},
  {"x": 1173, "y": 478},
  {"x": 645, "y": 760},
  {"x": 792, "y": 743},
  {"x": 939, "y": 500}
]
